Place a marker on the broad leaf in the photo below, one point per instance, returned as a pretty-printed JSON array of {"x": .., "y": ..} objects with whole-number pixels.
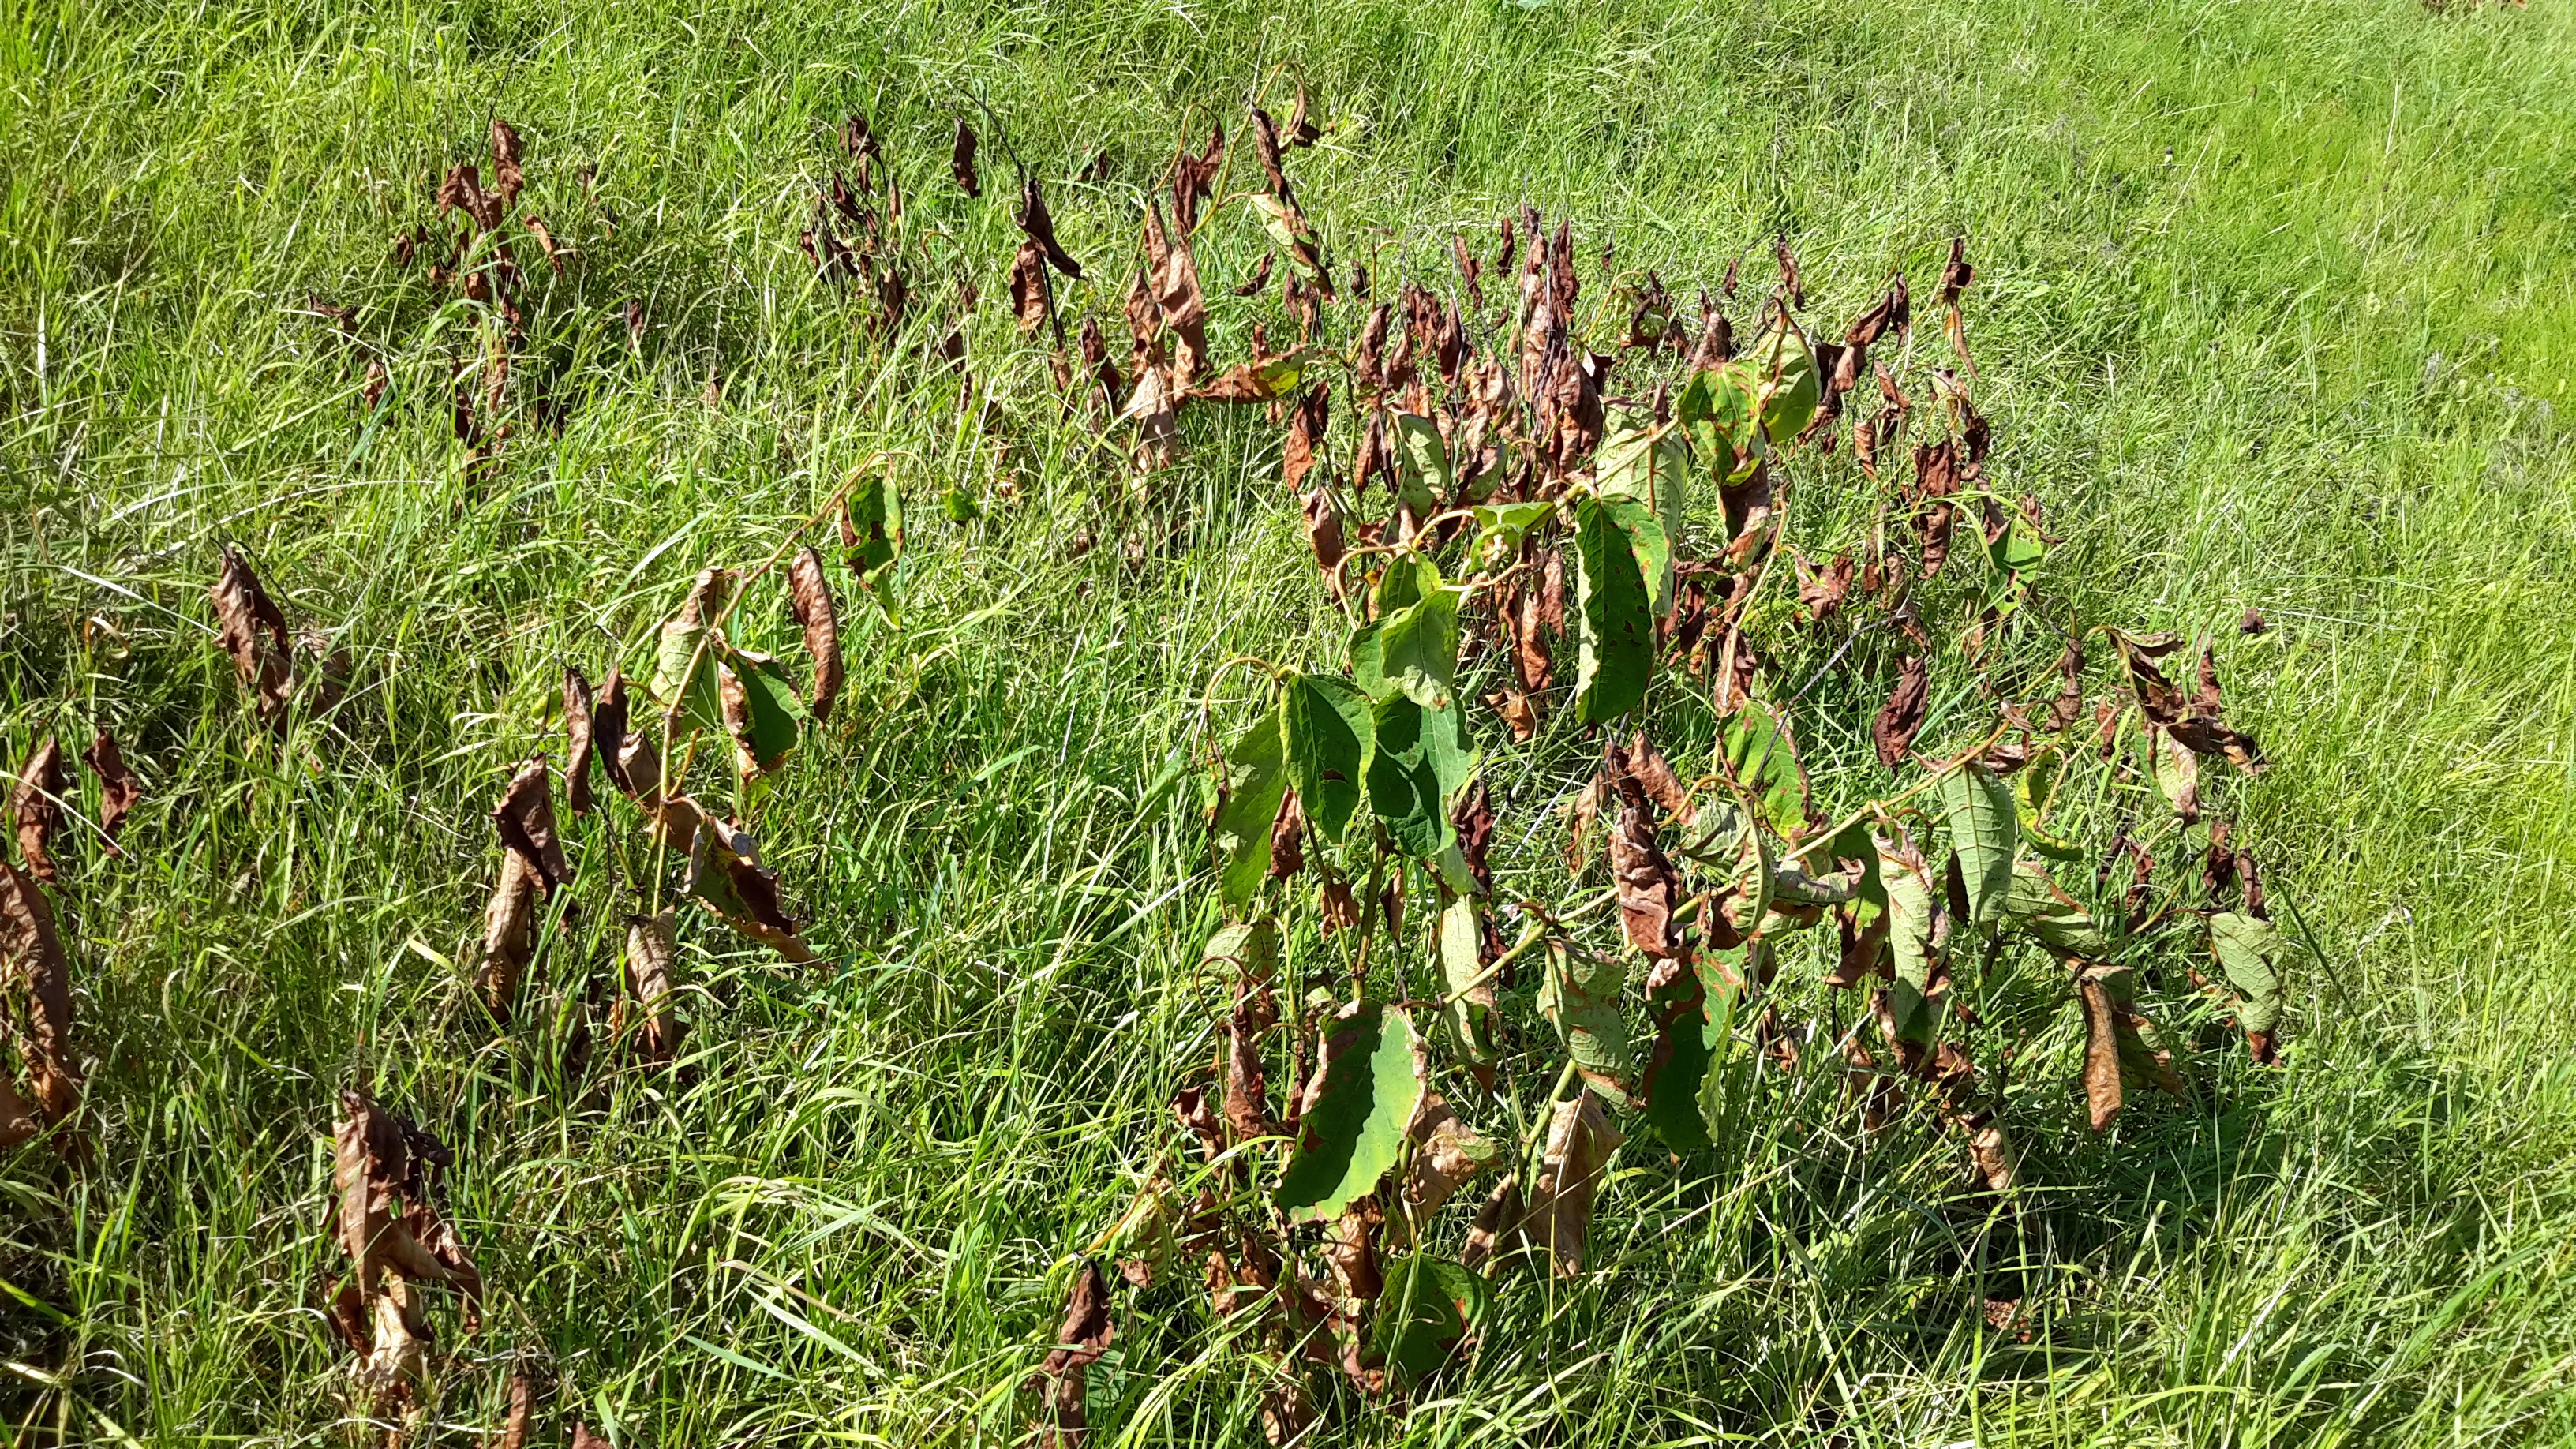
[
  {"x": 1655, "y": 473},
  {"x": 1788, "y": 387},
  {"x": 2034, "y": 792},
  {"x": 1915, "y": 933},
  {"x": 1978, "y": 810},
  {"x": 1580, "y": 998},
  {"x": 1615, "y": 634},
  {"x": 1756, "y": 751},
  {"x": 763, "y": 710},
  {"x": 1649, "y": 541},
  {"x": 1355, "y": 1113},
  {"x": 1330, "y": 735},
  {"x": 684, "y": 674},
  {"x": 1256, "y": 780},
  {"x": 1686, "y": 1041},
  {"x": 1419, "y": 647},
  {"x": 1460, "y": 944},
  {"x": 1425, "y": 1312},
  {"x": 2052, "y": 916},
  {"x": 1421, "y": 756},
  {"x": 1422, "y": 471},
  {"x": 1718, "y": 413},
  {"x": 2248, "y": 949}
]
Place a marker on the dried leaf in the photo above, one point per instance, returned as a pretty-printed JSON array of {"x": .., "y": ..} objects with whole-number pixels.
[
  {"x": 1821, "y": 590},
  {"x": 1040, "y": 228},
  {"x": 1086, "y": 1335},
  {"x": 811, "y": 599},
  {"x": 36, "y": 806},
  {"x": 1183, "y": 306},
  {"x": 32, "y": 953},
  {"x": 1898, "y": 720},
  {"x": 579, "y": 743},
  {"x": 1305, "y": 440},
  {"x": 254, "y": 633},
  {"x": 650, "y": 949},
  {"x": 1447, "y": 1154},
  {"x": 509, "y": 932},
  {"x": 961, "y": 159},
  {"x": 1259, "y": 281},
  {"x": 516, "y": 1425},
  {"x": 1580, "y": 1139},
  {"x": 608, "y": 734},
  {"x": 2101, "y": 1051},
  {"x": 525, "y": 818},
  {"x": 726, "y": 877},
  {"x": 1029, "y": 287}
]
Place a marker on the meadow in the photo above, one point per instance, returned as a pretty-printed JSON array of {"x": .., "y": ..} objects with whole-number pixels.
[{"x": 2274, "y": 310}]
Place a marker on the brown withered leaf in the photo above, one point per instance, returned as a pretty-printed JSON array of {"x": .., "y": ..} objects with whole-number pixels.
[
  {"x": 2252, "y": 624},
  {"x": 1791, "y": 286},
  {"x": 1954, "y": 282},
  {"x": 1324, "y": 534},
  {"x": 509, "y": 933},
  {"x": 1821, "y": 590},
  {"x": 961, "y": 160},
  {"x": 1892, "y": 312},
  {"x": 254, "y": 633},
  {"x": 2068, "y": 706},
  {"x": 1096, "y": 364},
  {"x": 1265, "y": 145},
  {"x": 1039, "y": 227},
  {"x": 1086, "y": 1335},
  {"x": 1288, "y": 1410},
  {"x": 1028, "y": 287},
  {"x": 525, "y": 818},
  {"x": 385, "y": 1172},
  {"x": 1654, "y": 774},
  {"x": 506, "y": 155},
  {"x": 1335, "y": 905},
  {"x": 1538, "y": 608},
  {"x": 1517, "y": 713},
  {"x": 1194, "y": 179},
  {"x": 1894, "y": 729},
  {"x": 35, "y": 806},
  {"x": 1582, "y": 813},
  {"x": 118, "y": 789},
  {"x": 1473, "y": 817},
  {"x": 516, "y": 1424},
  {"x": 1469, "y": 269},
  {"x": 634, "y": 323},
  {"x": 1177, "y": 296},
  {"x": 2101, "y": 1051},
  {"x": 579, "y": 741},
  {"x": 1580, "y": 1139},
  {"x": 1498, "y": 1217},
  {"x": 608, "y": 733},
  {"x": 650, "y": 949},
  {"x": 1447, "y": 1155},
  {"x": 1649, "y": 887},
  {"x": 1350, "y": 1250},
  {"x": 1288, "y": 838},
  {"x": 1252, "y": 381},
  {"x": 1305, "y": 439},
  {"x": 810, "y": 597},
  {"x": 546, "y": 241},
  {"x": 31, "y": 951},
  {"x": 1301, "y": 129}
]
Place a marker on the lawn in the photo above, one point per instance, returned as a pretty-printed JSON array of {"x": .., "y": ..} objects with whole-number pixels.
[{"x": 2274, "y": 310}]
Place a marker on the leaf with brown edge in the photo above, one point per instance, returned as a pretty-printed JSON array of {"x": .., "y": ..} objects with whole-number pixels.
[
  {"x": 35, "y": 805},
  {"x": 385, "y": 1173},
  {"x": 1654, "y": 774},
  {"x": 1649, "y": 888},
  {"x": 1821, "y": 590},
  {"x": 579, "y": 741},
  {"x": 1894, "y": 729},
  {"x": 2068, "y": 706},
  {"x": 810, "y": 597},
  {"x": 961, "y": 160},
  {"x": 726, "y": 877},
  {"x": 525, "y": 818},
  {"x": 1447, "y": 1155},
  {"x": 650, "y": 950},
  {"x": 32, "y": 953},
  {"x": 1305, "y": 440},
  {"x": 1039, "y": 227},
  {"x": 254, "y": 633},
  {"x": 1580, "y": 1139},
  {"x": 1028, "y": 287},
  {"x": 1085, "y": 1335},
  {"x": 1254, "y": 285},
  {"x": 1301, "y": 129}
]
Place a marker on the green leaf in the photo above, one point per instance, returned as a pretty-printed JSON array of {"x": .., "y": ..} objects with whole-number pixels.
[
  {"x": 1615, "y": 632},
  {"x": 1686, "y": 1041},
  {"x": 1648, "y": 541},
  {"x": 1755, "y": 750},
  {"x": 2018, "y": 548},
  {"x": 1789, "y": 388},
  {"x": 763, "y": 709},
  {"x": 1419, "y": 648},
  {"x": 1984, "y": 830},
  {"x": 1354, "y": 1131},
  {"x": 1368, "y": 660},
  {"x": 1915, "y": 940},
  {"x": 1461, "y": 944},
  {"x": 1718, "y": 414},
  {"x": 1421, "y": 757},
  {"x": 2052, "y": 916},
  {"x": 1248, "y": 948},
  {"x": 1423, "y": 1315},
  {"x": 1331, "y": 732},
  {"x": 1256, "y": 780},
  {"x": 1655, "y": 474},
  {"x": 2034, "y": 791},
  {"x": 1422, "y": 475},
  {"x": 1406, "y": 580},
  {"x": 684, "y": 674},
  {"x": 1580, "y": 998},
  {"x": 876, "y": 514},
  {"x": 2249, "y": 951}
]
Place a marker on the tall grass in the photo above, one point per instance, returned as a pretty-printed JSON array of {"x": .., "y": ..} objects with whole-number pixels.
[{"x": 2275, "y": 308}]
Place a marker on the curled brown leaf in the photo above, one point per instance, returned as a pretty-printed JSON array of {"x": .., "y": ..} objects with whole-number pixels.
[
  {"x": 810, "y": 596},
  {"x": 35, "y": 806}
]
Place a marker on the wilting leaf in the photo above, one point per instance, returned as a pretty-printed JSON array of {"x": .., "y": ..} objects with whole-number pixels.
[
  {"x": 1331, "y": 733},
  {"x": 31, "y": 953},
  {"x": 254, "y": 633},
  {"x": 1447, "y": 1154},
  {"x": 1718, "y": 412},
  {"x": 579, "y": 742},
  {"x": 961, "y": 160},
  {"x": 1977, "y": 809},
  {"x": 1421, "y": 756},
  {"x": 1029, "y": 298},
  {"x": 1351, "y": 1125},
  {"x": 2177, "y": 772},
  {"x": 762, "y": 710},
  {"x": 1248, "y": 950},
  {"x": 872, "y": 534},
  {"x": 1174, "y": 272},
  {"x": 118, "y": 789},
  {"x": 35, "y": 805},
  {"x": 2052, "y": 916},
  {"x": 1418, "y": 647},
  {"x": 1654, "y": 472},
  {"x": 1755, "y": 750},
  {"x": 649, "y": 953},
  {"x": 509, "y": 933},
  {"x": 1580, "y": 1139},
  {"x": 608, "y": 734},
  {"x": 1898, "y": 719},
  {"x": 1423, "y": 1315},
  {"x": 1615, "y": 640},
  {"x": 1917, "y": 934},
  {"x": 2102, "y": 1087},
  {"x": 811, "y": 598},
  {"x": 385, "y": 1172},
  {"x": 1040, "y": 228},
  {"x": 725, "y": 876},
  {"x": 1086, "y": 1335},
  {"x": 1580, "y": 998},
  {"x": 524, "y": 816},
  {"x": 1256, "y": 777}
]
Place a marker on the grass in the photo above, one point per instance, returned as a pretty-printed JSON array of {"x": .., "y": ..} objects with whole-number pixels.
[{"x": 2276, "y": 307}]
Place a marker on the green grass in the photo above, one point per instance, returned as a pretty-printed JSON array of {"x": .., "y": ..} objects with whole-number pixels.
[{"x": 2276, "y": 309}]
